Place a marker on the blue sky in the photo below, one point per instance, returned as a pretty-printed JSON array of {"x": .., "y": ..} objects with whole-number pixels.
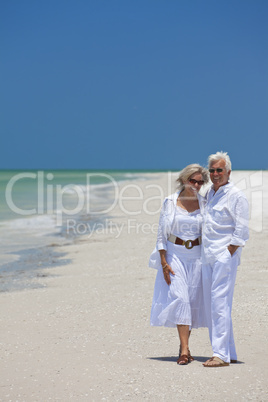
[{"x": 133, "y": 84}]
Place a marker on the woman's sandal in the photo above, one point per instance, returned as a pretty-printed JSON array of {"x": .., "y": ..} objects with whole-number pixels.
[
  {"x": 183, "y": 360},
  {"x": 190, "y": 357}
]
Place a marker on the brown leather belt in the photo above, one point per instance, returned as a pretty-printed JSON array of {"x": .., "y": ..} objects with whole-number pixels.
[{"x": 187, "y": 243}]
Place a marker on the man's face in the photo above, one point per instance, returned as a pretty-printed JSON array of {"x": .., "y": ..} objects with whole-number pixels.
[{"x": 219, "y": 178}]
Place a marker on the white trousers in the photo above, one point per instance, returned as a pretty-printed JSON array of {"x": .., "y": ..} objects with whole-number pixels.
[{"x": 218, "y": 288}]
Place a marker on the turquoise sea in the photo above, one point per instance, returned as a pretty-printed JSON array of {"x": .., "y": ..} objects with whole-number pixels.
[{"x": 35, "y": 210}]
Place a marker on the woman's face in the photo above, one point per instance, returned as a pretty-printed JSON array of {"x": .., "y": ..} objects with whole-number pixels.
[{"x": 194, "y": 183}]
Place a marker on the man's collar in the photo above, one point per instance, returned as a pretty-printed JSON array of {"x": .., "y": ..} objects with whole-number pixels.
[{"x": 223, "y": 188}]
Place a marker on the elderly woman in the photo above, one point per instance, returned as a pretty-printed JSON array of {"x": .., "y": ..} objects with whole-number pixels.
[{"x": 178, "y": 296}]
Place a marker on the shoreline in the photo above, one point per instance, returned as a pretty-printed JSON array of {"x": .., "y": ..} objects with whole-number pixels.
[
  {"x": 86, "y": 334},
  {"x": 41, "y": 230},
  {"x": 31, "y": 265}
]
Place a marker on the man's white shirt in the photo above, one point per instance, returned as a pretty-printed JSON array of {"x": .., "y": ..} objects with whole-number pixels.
[{"x": 225, "y": 221}]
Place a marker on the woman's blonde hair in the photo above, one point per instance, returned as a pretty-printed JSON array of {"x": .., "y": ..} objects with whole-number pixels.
[{"x": 188, "y": 171}]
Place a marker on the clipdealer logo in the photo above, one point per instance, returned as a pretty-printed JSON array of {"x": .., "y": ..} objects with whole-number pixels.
[
  {"x": 51, "y": 198},
  {"x": 252, "y": 187},
  {"x": 108, "y": 227}
]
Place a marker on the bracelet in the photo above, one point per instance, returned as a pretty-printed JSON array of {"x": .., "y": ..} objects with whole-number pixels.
[{"x": 165, "y": 266}]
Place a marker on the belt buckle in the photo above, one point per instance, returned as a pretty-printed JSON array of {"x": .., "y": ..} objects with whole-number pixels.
[{"x": 188, "y": 244}]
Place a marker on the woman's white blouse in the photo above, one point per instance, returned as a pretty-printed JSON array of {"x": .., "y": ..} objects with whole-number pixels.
[
  {"x": 187, "y": 225},
  {"x": 165, "y": 227},
  {"x": 166, "y": 221}
]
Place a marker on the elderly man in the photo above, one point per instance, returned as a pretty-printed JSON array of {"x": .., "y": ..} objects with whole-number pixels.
[{"x": 225, "y": 231}]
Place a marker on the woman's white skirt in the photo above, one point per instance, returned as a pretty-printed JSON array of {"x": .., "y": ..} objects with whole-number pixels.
[{"x": 181, "y": 302}]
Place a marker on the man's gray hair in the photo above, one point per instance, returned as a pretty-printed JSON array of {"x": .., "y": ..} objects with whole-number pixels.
[
  {"x": 217, "y": 157},
  {"x": 188, "y": 171}
]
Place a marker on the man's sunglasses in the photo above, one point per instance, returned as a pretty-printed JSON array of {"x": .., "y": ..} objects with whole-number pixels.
[
  {"x": 199, "y": 182},
  {"x": 219, "y": 170}
]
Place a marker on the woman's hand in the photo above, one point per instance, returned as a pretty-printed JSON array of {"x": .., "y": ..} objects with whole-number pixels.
[{"x": 167, "y": 270}]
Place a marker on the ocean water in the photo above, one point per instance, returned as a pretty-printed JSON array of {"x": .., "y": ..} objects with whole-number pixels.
[{"x": 43, "y": 209}]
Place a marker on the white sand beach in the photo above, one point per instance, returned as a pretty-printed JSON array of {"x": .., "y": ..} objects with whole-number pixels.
[{"x": 86, "y": 336}]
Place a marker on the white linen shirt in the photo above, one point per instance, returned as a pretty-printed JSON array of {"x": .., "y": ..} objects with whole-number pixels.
[{"x": 225, "y": 221}]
